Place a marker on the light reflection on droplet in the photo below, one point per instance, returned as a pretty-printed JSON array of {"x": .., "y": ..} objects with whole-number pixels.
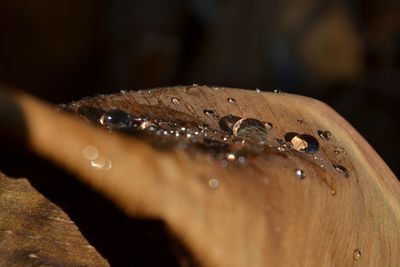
[
  {"x": 33, "y": 256},
  {"x": 175, "y": 101},
  {"x": 230, "y": 156},
  {"x": 300, "y": 173},
  {"x": 231, "y": 100}
]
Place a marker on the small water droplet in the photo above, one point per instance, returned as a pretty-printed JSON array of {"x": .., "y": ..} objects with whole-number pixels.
[
  {"x": 258, "y": 90},
  {"x": 175, "y": 101},
  {"x": 123, "y": 91},
  {"x": 33, "y": 256},
  {"x": 333, "y": 192},
  {"x": 210, "y": 113},
  {"x": 300, "y": 173},
  {"x": 341, "y": 169},
  {"x": 116, "y": 118},
  {"x": 195, "y": 85},
  {"x": 213, "y": 183},
  {"x": 226, "y": 123},
  {"x": 268, "y": 125},
  {"x": 356, "y": 254},
  {"x": 231, "y": 100},
  {"x": 90, "y": 152},
  {"x": 325, "y": 135},
  {"x": 277, "y": 91},
  {"x": 300, "y": 121}
]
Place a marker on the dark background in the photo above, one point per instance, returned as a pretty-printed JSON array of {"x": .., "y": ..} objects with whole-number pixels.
[{"x": 346, "y": 53}]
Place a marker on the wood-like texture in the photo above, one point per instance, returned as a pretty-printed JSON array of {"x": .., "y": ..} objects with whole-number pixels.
[
  {"x": 35, "y": 232},
  {"x": 261, "y": 213}
]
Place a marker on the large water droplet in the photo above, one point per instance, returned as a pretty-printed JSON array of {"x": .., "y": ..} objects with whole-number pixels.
[
  {"x": 175, "y": 101},
  {"x": 325, "y": 135},
  {"x": 226, "y": 123},
  {"x": 116, "y": 119},
  {"x": 250, "y": 129},
  {"x": 341, "y": 169},
  {"x": 300, "y": 173},
  {"x": 231, "y": 100},
  {"x": 356, "y": 254},
  {"x": 92, "y": 114},
  {"x": 213, "y": 183}
]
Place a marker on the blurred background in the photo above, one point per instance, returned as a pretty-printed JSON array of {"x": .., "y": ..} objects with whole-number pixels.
[{"x": 346, "y": 53}]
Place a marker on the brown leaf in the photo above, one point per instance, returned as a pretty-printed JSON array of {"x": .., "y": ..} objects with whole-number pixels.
[{"x": 328, "y": 202}]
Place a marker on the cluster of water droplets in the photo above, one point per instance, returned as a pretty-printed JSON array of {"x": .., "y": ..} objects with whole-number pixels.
[{"x": 231, "y": 143}]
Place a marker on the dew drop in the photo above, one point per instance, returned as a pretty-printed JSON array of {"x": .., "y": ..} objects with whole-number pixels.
[
  {"x": 258, "y": 90},
  {"x": 356, "y": 254},
  {"x": 325, "y": 135},
  {"x": 231, "y": 100},
  {"x": 175, "y": 101},
  {"x": 277, "y": 91},
  {"x": 210, "y": 113},
  {"x": 268, "y": 125},
  {"x": 226, "y": 123},
  {"x": 250, "y": 129},
  {"x": 300, "y": 173},
  {"x": 300, "y": 121},
  {"x": 116, "y": 118},
  {"x": 333, "y": 192},
  {"x": 123, "y": 91},
  {"x": 342, "y": 170},
  {"x": 213, "y": 183}
]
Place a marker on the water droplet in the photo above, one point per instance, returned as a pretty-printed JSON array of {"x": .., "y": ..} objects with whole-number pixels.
[
  {"x": 356, "y": 254},
  {"x": 33, "y": 256},
  {"x": 250, "y": 129},
  {"x": 213, "y": 183},
  {"x": 210, "y": 113},
  {"x": 325, "y": 135},
  {"x": 303, "y": 142},
  {"x": 341, "y": 169},
  {"x": 258, "y": 90},
  {"x": 123, "y": 91},
  {"x": 300, "y": 173},
  {"x": 175, "y": 101},
  {"x": 268, "y": 125},
  {"x": 277, "y": 91},
  {"x": 91, "y": 114},
  {"x": 195, "y": 85},
  {"x": 226, "y": 123},
  {"x": 116, "y": 118},
  {"x": 90, "y": 152},
  {"x": 300, "y": 121},
  {"x": 230, "y": 156},
  {"x": 231, "y": 100},
  {"x": 333, "y": 192}
]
